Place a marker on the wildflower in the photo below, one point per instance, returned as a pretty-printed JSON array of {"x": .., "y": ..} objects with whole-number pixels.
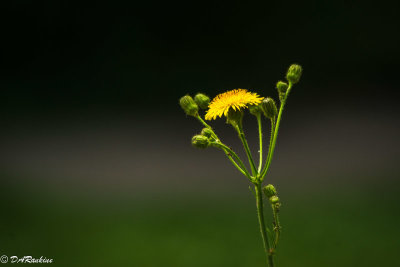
[
  {"x": 232, "y": 104},
  {"x": 232, "y": 100}
]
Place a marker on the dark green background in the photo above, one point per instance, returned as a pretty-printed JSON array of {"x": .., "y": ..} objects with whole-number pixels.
[{"x": 96, "y": 167}]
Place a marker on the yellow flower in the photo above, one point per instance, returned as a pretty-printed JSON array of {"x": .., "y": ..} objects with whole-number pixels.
[{"x": 235, "y": 99}]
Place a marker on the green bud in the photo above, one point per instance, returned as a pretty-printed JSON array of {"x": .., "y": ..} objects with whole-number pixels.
[
  {"x": 277, "y": 206},
  {"x": 274, "y": 200},
  {"x": 255, "y": 110},
  {"x": 202, "y": 100},
  {"x": 269, "y": 191},
  {"x": 206, "y": 132},
  {"x": 294, "y": 73},
  {"x": 200, "y": 141},
  {"x": 269, "y": 108},
  {"x": 282, "y": 88},
  {"x": 234, "y": 117},
  {"x": 188, "y": 105}
]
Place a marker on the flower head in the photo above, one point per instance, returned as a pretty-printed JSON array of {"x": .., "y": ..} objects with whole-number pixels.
[{"x": 235, "y": 99}]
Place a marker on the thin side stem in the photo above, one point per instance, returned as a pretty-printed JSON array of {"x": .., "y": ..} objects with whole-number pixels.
[
  {"x": 277, "y": 226},
  {"x": 230, "y": 153},
  {"x": 275, "y": 135},
  {"x": 261, "y": 221},
  {"x": 260, "y": 135},
  {"x": 207, "y": 126},
  {"x": 247, "y": 149},
  {"x": 234, "y": 163},
  {"x": 271, "y": 137},
  {"x": 202, "y": 121}
]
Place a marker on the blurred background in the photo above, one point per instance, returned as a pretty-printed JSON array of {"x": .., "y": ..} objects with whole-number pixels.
[{"x": 96, "y": 166}]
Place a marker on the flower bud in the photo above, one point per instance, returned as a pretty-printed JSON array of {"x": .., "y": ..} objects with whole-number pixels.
[
  {"x": 234, "y": 117},
  {"x": 294, "y": 73},
  {"x": 207, "y": 132},
  {"x": 188, "y": 105},
  {"x": 200, "y": 141},
  {"x": 269, "y": 191},
  {"x": 269, "y": 108},
  {"x": 276, "y": 206},
  {"x": 282, "y": 88},
  {"x": 255, "y": 110},
  {"x": 202, "y": 100},
  {"x": 274, "y": 200}
]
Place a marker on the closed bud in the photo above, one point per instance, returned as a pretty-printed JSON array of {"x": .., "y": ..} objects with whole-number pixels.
[
  {"x": 206, "y": 132},
  {"x": 234, "y": 117},
  {"x": 200, "y": 141},
  {"x": 294, "y": 73},
  {"x": 188, "y": 105},
  {"x": 255, "y": 110},
  {"x": 274, "y": 200},
  {"x": 269, "y": 190},
  {"x": 282, "y": 88},
  {"x": 202, "y": 100},
  {"x": 269, "y": 108}
]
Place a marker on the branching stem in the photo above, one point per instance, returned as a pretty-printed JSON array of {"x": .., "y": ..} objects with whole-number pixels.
[
  {"x": 275, "y": 135},
  {"x": 230, "y": 153}
]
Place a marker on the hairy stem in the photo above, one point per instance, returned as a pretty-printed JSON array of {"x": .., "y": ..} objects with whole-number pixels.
[
  {"x": 247, "y": 149},
  {"x": 260, "y": 135},
  {"x": 233, "y": 156},
  {"x": 261, "y": 221},
  {"x": 277, "y": 225},
  {"x": 228, "y": 152},
  {"x": 207, "y": 126},
  {"x": 271, "y": 137},
  {"x": 275, "y": 135}
]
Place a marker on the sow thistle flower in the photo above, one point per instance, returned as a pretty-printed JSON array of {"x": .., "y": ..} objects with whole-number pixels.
[
  {"x": 235, "y": 99},
  {"x": 232, "y": 104}
]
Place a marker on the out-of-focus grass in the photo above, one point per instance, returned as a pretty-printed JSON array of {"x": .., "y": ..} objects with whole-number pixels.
[{"x": 325, "y": 227}]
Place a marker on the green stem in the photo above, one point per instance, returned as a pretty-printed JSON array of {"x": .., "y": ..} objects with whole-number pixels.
[
  {"x": 261, "y": 221},
  {"x": 230, "y": 153},
  {"x": 247, "y": 149},
  {"x": 277, "y": 226},
  {"x": 275, "y": 135},
  {"x": 271, "y": 137},
  {"x": 207, "y": 126},
  {"x": 260, "y": 135},
  {"x": 202, "y": 121}
]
